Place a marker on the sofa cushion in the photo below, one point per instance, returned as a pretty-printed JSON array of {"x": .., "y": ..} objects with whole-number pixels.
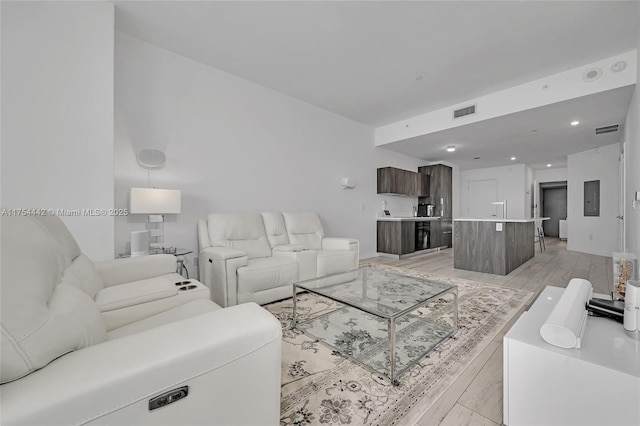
[
  {"x": 267, "y": 273},
  {"x": 334, "y": 261},
  {"x": 242, "y": 231},
  {"x": 188, "y": 310},
  {"x": 275, "y": 228},
  {"x": 43, "y": 317},
  {"x": 304, "y": 228}
]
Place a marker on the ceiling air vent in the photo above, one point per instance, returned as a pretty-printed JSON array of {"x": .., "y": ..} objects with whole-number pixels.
[
  {"x": 464, "y": 111},
  {"x": 606, "y": 129}
]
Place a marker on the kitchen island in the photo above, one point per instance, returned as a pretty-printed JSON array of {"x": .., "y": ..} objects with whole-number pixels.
[{"x": 493, "y": 246}]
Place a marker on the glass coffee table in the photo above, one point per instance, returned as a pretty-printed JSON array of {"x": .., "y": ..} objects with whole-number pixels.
[{"x": 386, "y": 321}]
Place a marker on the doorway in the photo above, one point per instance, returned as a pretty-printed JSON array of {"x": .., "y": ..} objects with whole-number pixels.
[{"x": 554, "y": 206}]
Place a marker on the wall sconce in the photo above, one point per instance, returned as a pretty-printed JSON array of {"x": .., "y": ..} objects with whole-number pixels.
[{"x": 347, "y": 183}]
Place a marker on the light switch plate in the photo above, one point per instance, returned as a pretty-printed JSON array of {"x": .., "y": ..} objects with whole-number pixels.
[{"x": 498, "y": 227}]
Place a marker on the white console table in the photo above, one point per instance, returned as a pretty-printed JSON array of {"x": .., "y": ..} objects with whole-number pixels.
[{"x": 598, "y": 384}]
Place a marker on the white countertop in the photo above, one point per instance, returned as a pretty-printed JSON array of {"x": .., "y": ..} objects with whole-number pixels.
[
  {"x": 406, "y": 219},
  {"x": 474, "y": 219}
]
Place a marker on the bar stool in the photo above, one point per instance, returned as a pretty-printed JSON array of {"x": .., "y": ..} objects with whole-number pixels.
[{"x": 543, "y": 245}]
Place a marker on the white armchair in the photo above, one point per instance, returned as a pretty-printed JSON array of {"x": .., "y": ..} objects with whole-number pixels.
[{"x": 62, "y": 365}]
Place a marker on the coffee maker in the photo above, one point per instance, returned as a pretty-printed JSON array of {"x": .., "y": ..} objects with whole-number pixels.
[{"x": 425, "y": 210}]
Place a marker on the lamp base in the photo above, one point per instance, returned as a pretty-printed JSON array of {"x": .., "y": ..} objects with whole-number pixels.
[{"x": 139, "y": 243}]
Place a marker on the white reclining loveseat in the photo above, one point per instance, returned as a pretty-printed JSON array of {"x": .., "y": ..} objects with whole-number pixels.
[
  {"x": 256, "y": 257},
  {"x": 86, "y": 343}
]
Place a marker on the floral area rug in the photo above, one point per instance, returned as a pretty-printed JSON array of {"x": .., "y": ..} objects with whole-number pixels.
[{"x": 321, "y": 386}]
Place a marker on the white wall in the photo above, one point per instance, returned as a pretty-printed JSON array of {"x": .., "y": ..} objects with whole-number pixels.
[
  {"x": 632, "y": 170},
  {"x": 57, "y": 113},
  {"x": 511, "y": 184},
  {"x": 593, "y": 234},
  {"x": 551, "y": 175},
  {"x": 235, "y": 146}
]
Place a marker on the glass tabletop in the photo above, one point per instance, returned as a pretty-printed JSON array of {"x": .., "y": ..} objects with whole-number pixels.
[{"x": 383, "y": 293}]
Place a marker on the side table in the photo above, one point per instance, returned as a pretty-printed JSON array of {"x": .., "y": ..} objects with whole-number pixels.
[{"x": 179, "y": 254}]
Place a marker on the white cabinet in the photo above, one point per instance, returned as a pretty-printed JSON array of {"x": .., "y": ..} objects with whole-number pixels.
[
  {"x": 563, "y": 229},
  {"x": 598, "y": 384}
]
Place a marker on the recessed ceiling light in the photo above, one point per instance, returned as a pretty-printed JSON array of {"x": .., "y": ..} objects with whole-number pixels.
[
  {"x": 575, "y": 123},
  {"x": 548, "y": 165},
  {"x": 592, "y": 74},
  {"x": 451, "y": 148},
  {"x": 513, "y": 158}
]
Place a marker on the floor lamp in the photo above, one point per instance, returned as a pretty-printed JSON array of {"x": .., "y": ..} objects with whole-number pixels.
[{"x": 155, "y": 203}]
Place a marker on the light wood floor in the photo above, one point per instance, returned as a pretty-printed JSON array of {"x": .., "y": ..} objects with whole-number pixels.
[{"x": 475, "y": 398}]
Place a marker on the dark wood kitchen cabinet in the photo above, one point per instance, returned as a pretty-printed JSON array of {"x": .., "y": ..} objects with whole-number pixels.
[
  {"x": 435, "y": 234},
  {"x": 396, "y": 237},
  {"x": 402, "y": 182},
  {"x": 423, "y": 185}
]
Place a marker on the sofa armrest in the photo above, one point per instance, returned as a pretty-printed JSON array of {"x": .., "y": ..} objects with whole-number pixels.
[
  {"x": 220, "y": 355},
  {"x": 218, "y": 271},
  {"x": 307, "y": 259},
  {"x": 339, "y": 244},
  {"x": 289, "y": 248},
  {"x": 343, "y": 244},
  {"x": 221, "y": 253},
  {"x": 120, "y": 271}
]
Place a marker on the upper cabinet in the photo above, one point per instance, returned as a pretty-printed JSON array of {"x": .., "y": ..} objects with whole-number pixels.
[{"x": 402, "y": 182}]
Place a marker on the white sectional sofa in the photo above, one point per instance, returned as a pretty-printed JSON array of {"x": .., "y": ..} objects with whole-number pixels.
[
  {"x": 86, "y": 343},
  {"x": 256, "y": 257}
]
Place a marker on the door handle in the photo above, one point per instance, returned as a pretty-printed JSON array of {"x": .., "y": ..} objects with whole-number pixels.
[{"x": 620, "y": 217}]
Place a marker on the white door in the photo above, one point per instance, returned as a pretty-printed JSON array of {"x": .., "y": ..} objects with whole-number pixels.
[{"x": 481, "y": 194}]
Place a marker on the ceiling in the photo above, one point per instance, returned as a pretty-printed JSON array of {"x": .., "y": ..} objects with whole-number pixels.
[
  {"x": 380, "y": 62},
  {"x": 536, "y": 137}
]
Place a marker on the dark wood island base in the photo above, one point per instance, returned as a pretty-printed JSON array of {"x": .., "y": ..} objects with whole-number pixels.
[{"x": 492, "y": 246}]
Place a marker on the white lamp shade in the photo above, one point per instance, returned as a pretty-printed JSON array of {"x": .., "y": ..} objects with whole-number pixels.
[{"x": 154, "y": 201}]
